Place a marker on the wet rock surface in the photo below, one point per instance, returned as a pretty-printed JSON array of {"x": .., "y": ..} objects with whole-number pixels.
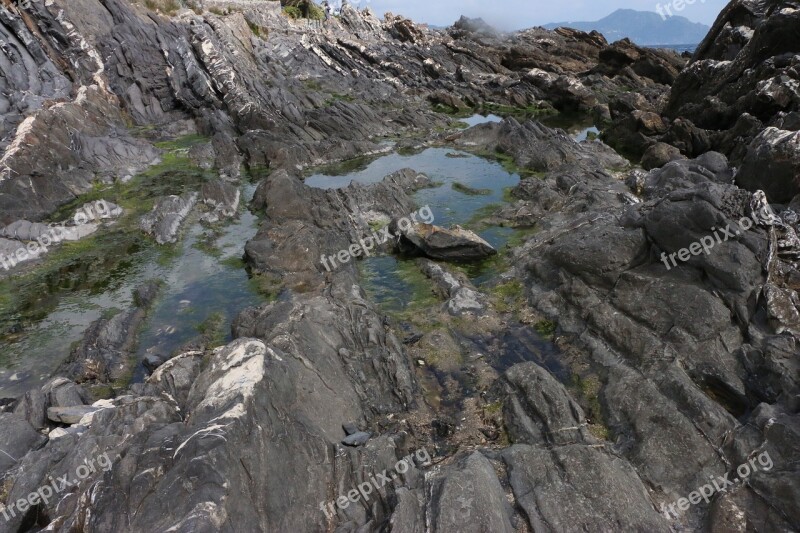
[
  {"x": 454, "y": 244},
  {"x": 164, "y": 222},
  {"x": 627, "y": 350}
]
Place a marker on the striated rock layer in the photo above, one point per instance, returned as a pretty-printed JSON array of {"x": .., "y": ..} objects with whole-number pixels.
[{"x": 684, "y": 338}]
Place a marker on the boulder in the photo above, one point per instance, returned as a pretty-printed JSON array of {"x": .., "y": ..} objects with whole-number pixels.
[
  {"x": 659, "y": 155},
  {"x": 16, "y": 440},
  {"x": 772, "y": 164},
  {"x": 553, "y": 488},
  {"x": 455, "y": 244},
  {"x": 165, "y": 221},
  {"x": 467, "y": 496},
  {"x": 70, "y": 415}
]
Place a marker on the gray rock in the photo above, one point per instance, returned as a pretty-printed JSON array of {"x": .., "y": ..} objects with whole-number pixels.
[
  {"x": 659, "y": 155},
  {"x": 771, "y": 164},
  {"x": 462, "y": 297},
  {"x": 165, "y": 221},
  {"x": 22, "y": 230},
  {"x": 62, "y": 392},
  {"x": 70, "y": 415},
  {"x": 537, "y": 147},
  {"x": 577, "y": 488},
  {"x": 222, "y": 197},
  {"x": 152, "y": 361},
  {"x": 32, "y": 407},
  {"x": 359, "y": 438},
  {"x": 455, "y": 244},
  {"x": 104, "y": 355},
  {"x": 468, "y": 497},
  {"x": 539, "y": 410},
  {"x": 17, "y": 439},
  {"x": 350, "y": 428}
]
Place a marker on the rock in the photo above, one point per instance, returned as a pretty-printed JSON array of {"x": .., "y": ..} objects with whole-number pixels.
[
  {"x": 456, "y": 244},
  {"x": 164, "y": 222},
  {"x": 551, "y": 486},
  {"x": 104, "y": 355},
  {"x": 772, "y": 164},
  {"x": 62, "y": 392},
  {"x": 462, "y": 297},
  {"x": 350, "y": 428},
  {"x": 468, "y": 497},
  {"x": 473, "y": 25},
  {"x": 783, "y": 309},
  {"x": 70, "y": 415},
  {"x": 358, "y": 438},
  {"x": 7, "y": 404},
  {"x": 567, "y": 93},
  {"x": 410, "y": 180},
  {"x": 659, "y": 155},
  {"x": 222, "y": 197},
  {"x": 32, "y": 407},
  {"x": 538, "y": 409},
  {"x": 22, "y": 230},
  {"x": 402, "y": 28},
  {"x": 203, "y": 155},
  {"x": 712, "y": 167},
  {"x": 152, "y": 361},
  {"x": 17, "y": 439},
  {"x": 658, "y": 65},
  {"x": 681, "y": 368},
  {"x": 58, "y": 433},
  {"x": 536, "y": 147},
  {"x": 408, "y": 515},
  {"x": 175, "y": 377}
]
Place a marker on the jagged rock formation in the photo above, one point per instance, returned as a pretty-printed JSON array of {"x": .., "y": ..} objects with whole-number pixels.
[
  {"x": 693, "y": 361},
  {"x": 739, "y": 95}
]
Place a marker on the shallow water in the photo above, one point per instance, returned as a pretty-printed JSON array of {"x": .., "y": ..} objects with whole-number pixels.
[
  {"x": 197, "y": 285},
  {"x": 443, "y": 166},
  {"x": 578, "y": 128},
  {"x": 474, "y": 120},
  {"x": 397, "y": 286}
]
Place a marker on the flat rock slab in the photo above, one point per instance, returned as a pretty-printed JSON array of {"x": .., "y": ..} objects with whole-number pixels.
[
  {"x": 357, "y": 439},
  {"x": 455, "y": 244},
  {"x": 70, "y": 415},
  {"x": 23, "y": 230}
]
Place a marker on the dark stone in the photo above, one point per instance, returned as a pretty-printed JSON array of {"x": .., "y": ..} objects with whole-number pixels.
[
  {"x": 359, "y": 438},
  {"x": 16, "y": 440},
  {"x": 350, "y": 428}
]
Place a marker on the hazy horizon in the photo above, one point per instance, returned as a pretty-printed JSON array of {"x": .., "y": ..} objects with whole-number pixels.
[{"x": 517, "y": 14}]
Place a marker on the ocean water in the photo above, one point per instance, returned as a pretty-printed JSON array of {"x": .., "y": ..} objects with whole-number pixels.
[{"x": 680, "y": 48}]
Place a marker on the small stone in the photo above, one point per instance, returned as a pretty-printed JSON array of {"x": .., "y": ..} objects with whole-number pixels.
[
  {"x": 70, "y": 415},
  {"x": 350, "y": 428},
  {"x": 357, "y": 439},
  {"x": 152, "y": 361}
]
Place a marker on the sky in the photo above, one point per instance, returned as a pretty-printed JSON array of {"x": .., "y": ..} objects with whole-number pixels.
[{"x": 519, "y": 14}]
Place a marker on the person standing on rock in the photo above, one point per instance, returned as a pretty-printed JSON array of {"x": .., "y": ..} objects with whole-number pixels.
[{"x": 327, "y": 6}]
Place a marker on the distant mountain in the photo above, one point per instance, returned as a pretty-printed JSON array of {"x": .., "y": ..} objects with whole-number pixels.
[{"x": 643, "y": 27}]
